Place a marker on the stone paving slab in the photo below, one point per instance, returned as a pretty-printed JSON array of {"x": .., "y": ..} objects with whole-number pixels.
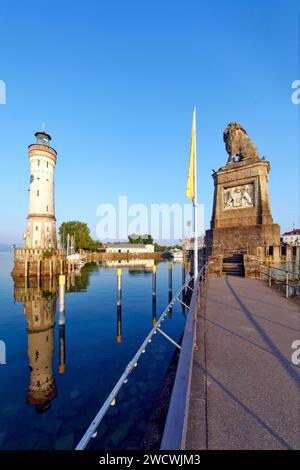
[{"x": 245, "y": 391}]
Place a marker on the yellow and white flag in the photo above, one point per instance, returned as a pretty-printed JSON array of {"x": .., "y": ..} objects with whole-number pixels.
[{"x": 190, "y": 189}]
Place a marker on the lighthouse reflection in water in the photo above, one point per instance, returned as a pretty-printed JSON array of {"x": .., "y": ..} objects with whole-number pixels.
[
  {"x": 39, "y": 298},
  {"x": 68, "y": 342}
]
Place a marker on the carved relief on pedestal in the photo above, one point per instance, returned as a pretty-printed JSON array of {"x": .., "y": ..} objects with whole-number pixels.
[{"x": 239, "y": 197}]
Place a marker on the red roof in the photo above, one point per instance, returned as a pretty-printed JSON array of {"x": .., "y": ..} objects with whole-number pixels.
[{"x": 296, "y": 231}]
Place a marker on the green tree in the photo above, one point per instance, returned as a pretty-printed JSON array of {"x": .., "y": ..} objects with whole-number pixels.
[
  {"x": 158, "y": 247},
  {"x": 145, "y": 239},
  {"x": 81, "y": 233}
]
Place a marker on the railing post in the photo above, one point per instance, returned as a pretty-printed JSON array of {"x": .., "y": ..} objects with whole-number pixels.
[
  {"x": 261, "y": 271},
  {"x": 270, "y": 277},
  {"x": 203, "y": 274},
  {"x": 286, "y": 284},
  {"x": 183, "y": 281}
]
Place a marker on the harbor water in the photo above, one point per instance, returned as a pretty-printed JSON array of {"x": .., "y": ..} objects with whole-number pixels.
[{"x": 61, "y": 364}]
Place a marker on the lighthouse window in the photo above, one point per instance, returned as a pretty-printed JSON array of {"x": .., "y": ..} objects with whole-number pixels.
[
  {"x": 47, "y": 208},
  {"x": 47, "y": 164},
  {"x": 38, "y": 193},
  {"x": 36, "y": 228},
  {"x": 38, "y": 163}
]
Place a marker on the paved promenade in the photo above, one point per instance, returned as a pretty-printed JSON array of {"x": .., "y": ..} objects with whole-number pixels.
[{"x": 245, "y": 391}]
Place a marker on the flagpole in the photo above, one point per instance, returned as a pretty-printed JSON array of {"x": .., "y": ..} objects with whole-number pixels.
[{"x": 195, "y": 203}]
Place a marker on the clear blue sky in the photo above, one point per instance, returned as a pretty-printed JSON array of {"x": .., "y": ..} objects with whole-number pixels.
[{"x": 115, "y": 83}]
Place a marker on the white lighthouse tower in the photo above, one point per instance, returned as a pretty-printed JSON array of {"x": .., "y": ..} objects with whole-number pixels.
[
  {"x": 41, "y": 228},
  {"x": 40, "y": 256}
]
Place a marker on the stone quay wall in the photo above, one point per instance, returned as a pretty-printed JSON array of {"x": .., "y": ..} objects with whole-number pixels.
[{"x": 35, "y": 262}]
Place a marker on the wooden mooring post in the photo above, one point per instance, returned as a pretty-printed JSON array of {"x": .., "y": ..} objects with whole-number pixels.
[
  {"x": 170, "y": 277},
  {"x": 153, "y": 311},
  {"x": 119, "y": 286},
  {"x": 39, "y": 268},
  {"x": 119, "y": 324},
  {"x": 26, "y": 265},
  {"x": 62, "y": 347},
  {"x": 154, "y": 281}
]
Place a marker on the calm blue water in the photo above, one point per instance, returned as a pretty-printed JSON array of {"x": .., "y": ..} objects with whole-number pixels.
[{"x": 48, "y": 405}]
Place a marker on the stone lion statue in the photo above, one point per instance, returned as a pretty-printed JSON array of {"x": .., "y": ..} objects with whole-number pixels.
[{"x": 238, "y": 143}]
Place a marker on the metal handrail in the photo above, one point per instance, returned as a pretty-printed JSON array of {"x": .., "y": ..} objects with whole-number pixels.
[
  {"x": 92, "y": 429},
  {"x": 277, "y": 269},
  {"x": 175, "y": 430},
  {"x": 285, "y": 281}
]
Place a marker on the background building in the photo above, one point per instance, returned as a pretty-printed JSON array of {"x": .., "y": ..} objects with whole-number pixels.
[
  {"x": 292, "y": 237},
  {"x": 129, "y": 248}
]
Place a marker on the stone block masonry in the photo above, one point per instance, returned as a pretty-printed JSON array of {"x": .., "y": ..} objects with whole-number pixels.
[{"x": 37, "y": 262}]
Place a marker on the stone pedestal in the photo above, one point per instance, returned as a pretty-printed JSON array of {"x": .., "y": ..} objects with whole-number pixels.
[
  {"x": 253, "y": 240},
  {"x": 251, "y": 266},
  {"x": 214, "y": 265},
  {"x": 241, "y": 220}
]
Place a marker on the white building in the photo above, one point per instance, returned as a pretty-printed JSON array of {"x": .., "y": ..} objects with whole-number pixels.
[
  {"x": 41, "y": 227},
  {"x": 129, "y": 248},
  {"x": 130, "y": 263},
  {"x": 292, "y": 238}
]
